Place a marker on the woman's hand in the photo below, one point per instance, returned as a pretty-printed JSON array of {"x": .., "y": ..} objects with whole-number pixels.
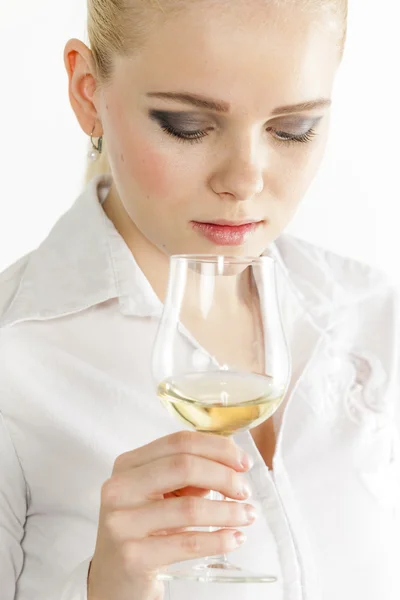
[{"x": 154, "y": 494}]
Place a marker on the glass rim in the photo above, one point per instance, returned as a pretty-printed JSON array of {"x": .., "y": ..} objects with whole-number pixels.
[{"x": 225, "y": 259}]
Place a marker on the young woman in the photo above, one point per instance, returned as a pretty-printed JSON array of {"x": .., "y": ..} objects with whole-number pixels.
[{"x": 210, "y": 120}]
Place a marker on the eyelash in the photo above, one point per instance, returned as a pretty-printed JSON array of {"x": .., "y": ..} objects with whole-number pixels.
[{"x": 196, "y": 136}]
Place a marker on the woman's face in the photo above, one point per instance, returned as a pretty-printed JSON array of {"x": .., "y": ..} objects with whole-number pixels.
[{"x": 207, "y": 152}]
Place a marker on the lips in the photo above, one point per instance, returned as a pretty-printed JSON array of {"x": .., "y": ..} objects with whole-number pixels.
[{"x": 224, "y": 233}]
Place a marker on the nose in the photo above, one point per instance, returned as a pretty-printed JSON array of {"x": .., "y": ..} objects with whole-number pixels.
[{"x": 240, "y": 175}]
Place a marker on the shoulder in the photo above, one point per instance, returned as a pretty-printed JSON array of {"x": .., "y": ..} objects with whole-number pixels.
[
  {"x": 10, "y": 280},
  {"x": 356, "y": 305},
  {"x": 328, "y": 277}
]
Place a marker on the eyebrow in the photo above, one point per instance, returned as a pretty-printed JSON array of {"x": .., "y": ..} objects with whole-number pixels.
[
  {"x": 223, "y": 107},
  {"x": 302, "y": 106}
]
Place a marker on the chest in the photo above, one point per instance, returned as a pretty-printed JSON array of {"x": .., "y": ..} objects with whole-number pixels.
[
  {"x": 328, "y": 508},
  {"x": 264, "y": 437}
]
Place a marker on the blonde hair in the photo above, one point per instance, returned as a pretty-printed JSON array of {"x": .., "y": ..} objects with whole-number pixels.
[{"x": 120, "y": 27}]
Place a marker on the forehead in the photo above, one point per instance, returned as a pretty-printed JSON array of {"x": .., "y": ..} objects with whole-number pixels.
[{"x": 248, "y": 54}]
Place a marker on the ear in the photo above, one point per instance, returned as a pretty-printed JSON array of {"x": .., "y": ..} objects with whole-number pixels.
[{"x": 82, "y": 86}]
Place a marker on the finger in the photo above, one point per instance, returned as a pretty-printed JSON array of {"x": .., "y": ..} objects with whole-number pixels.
[
  {"x": 213, "y": 447},
  {"x": 177, "y": 513},
  {"x": 169, "y": 474},
  {"x": 154, "y": 553}
]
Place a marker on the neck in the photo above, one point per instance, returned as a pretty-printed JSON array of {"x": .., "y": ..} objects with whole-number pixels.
[
  {"x": 151, "y": 260},
  {"x": 154, "y": 263}
]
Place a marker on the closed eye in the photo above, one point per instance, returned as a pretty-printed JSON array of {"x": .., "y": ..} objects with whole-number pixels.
[
  {"x": 289, "y": 137},
  {"x": 177, "y": 125},
  {"x": 197, "y": 135},
  {"x": 183, "y": 126}
]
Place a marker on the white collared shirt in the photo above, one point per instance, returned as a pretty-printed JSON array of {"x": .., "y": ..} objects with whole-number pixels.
[{"x": 77, "y": 324}]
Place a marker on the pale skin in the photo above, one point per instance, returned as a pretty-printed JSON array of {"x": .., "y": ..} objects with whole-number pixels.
[{"x": 243, "y": 166}]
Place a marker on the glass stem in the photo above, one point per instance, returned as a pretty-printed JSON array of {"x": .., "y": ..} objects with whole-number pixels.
[{"x": 221, "y": 558}]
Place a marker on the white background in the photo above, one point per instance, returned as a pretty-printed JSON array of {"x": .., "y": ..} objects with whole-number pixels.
[{"x": 352, "y": 207}]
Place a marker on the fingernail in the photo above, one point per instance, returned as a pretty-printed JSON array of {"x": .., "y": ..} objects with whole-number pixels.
[
  {"x": 240, "y": 538},
  {"x": 246, "y": 462},
  {"x": 251, "y": 513},
  {"x": 246, "y": 490}
]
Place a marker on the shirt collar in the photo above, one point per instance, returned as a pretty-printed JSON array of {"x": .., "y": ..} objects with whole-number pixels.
[{"x": 84, "y": 262}]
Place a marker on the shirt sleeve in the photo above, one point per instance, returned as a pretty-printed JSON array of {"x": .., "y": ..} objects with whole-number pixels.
[
  {"x": 13, "y": 509},
  {"x": 75, "y": 587},
  {"x": 13, "y": 506}
]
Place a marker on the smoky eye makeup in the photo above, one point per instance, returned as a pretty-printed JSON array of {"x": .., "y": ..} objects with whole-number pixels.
[
  {"x": 183, "y": 122},
  {"x": 188, "y": 127},
  {"x": 295, "y": 125}
]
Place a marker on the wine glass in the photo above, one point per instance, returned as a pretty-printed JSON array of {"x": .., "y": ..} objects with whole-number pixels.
[{"x": 220, "y": 363}]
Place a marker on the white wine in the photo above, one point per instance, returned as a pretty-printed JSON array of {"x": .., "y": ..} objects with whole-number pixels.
[{"x": 221, "y": 402}]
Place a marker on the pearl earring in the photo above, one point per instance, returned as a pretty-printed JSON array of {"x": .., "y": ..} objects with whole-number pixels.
[{"x": 95, "y": 152}]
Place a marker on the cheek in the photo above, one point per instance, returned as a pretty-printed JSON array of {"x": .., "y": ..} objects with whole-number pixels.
[
  {"x": 147, "y": 169},
  {"x": 298, "y": 177},
  {"x": 138, "y": 163}
]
